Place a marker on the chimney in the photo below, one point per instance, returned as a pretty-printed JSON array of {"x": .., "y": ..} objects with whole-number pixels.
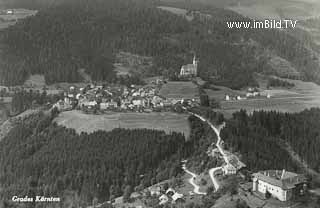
[{"x": 283, "y": 172}]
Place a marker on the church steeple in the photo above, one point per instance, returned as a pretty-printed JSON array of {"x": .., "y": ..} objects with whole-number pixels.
[
  {"x": 194, "y": 60},
  {"x": 195, "y": 64}
]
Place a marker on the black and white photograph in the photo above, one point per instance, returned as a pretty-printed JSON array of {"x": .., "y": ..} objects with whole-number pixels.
[{"x": 159, "y": 103}]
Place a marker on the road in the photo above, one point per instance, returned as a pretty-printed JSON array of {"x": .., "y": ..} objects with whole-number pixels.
[
  {"x": 214, "y": 180},
  {"x": 217, "y": 132},
  {"x": 192, "y": 181}
]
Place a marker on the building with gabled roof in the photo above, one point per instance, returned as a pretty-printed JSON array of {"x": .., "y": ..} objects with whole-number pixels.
[
  {"x": 282, "y": 185},
  {"x": 190, "y": 69}
]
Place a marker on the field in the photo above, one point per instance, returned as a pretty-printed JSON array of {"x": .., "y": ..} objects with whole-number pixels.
[
  {"x": 177, "y": 11},
  {"x": 179, "y": 90},
  {"x": 275, "y": 9},
  {"x": 303, "y": 95},
  {"x": 8, "y": 20},
  {"x": 82, "y": 122},
  {"x": 260, "y": 9}
]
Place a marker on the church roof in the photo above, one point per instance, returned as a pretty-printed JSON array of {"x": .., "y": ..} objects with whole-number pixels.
[{"x": 188, "y": 66}]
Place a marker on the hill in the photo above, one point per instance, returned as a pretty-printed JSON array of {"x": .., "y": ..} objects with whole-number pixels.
[{"x": 91, "y": 36}]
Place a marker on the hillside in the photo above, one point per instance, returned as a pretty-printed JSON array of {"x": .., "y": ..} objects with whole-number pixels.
[{"x": 92, "y": 35}]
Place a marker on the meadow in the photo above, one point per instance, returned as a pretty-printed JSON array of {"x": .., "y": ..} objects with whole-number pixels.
[
  {"x": 303, "y": 95},
  {"x": 81, "y": 122},
  {"x": 179, "y": 90}
]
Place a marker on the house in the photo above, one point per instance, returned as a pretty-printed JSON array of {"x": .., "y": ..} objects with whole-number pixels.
[
  {"x": 283, "y": 185},
  {"x": 4, "y": 89},
  {"x": 10, "y": 12},
  {"x": 62, "y": 105},
  {"x": 235, "y": 162},
  {"x": 170, "y": 192},
  {"x": 229, "y": 169},
  {"x": 163, "y": 199},
  {"x": 138, "y": 102},
  {"x": 104, "y": 106},
  {"x": 190, "y": 69},
  {"x": 86, "y": 103},
  {"x": 177, "y": 197},
  {"x": 155, "y": 190}
]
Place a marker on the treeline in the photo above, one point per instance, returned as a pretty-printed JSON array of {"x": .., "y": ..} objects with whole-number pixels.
[
  {"x": 258, "y": 138},
  {"x": 274, "y": 82}
]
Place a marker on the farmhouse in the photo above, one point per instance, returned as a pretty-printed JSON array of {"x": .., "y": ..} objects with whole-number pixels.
[
  {"x": 282, "y": 185},
  {"x": 229, "y": 169},
  {"x": 190, "y": 69}
]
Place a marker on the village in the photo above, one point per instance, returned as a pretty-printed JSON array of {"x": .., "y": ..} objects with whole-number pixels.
[{"x": 118, "y": 98}]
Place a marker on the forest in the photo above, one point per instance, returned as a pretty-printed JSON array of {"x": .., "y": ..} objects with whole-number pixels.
[
  {"x": 39, "y": 157},
  {"x": 60, "y": 40},
  {"x": 258, "y": 137},
  {"x": 23, "y": 100},
  {"x": 275, "y": 82}
]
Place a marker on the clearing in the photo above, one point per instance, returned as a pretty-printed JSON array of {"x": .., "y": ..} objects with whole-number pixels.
[
  {"x": 303, "y": 95},
  {"x": 8, "y": 20},
  {"x": 275, "y": 9},
  {"x": 81, "y": 122},
  {"x": 179, "y": 90},
  {"x": 128, "y": 63}
]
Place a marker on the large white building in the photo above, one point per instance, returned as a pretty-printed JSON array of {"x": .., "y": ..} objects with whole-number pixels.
[
  {"x": 282, "y": 185},
  {"x": 190, "y": 69}
]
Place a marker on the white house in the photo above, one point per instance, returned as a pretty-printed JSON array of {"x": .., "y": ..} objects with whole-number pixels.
[
  {"x": 163, "y": 199},
  {"x": 156, "y": 190},
  {"x": 229, "y": 169},
  {"x": 282, "y": 185},
  {"x": 176, "y": 197}
]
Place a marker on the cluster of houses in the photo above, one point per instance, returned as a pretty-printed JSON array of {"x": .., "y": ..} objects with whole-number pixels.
[
  {"x": 7, "y": 12},
  {"x": 166, "y": 196},
  {"x": 251, "y": 93},
  {"x": 117, "y": 98}
]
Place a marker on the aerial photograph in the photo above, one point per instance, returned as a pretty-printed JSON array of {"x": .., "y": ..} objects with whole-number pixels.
[{"x": 159, "y": 103}]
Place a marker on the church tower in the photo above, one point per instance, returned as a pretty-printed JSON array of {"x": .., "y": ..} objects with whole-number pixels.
[{"x": 195, "y": 64}]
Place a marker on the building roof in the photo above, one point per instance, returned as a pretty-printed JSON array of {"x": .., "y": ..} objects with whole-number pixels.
[
  {"x": 188, "y": 66},
  {"x": 283, "y": 179},
  {"x": 177, "y": 196}
]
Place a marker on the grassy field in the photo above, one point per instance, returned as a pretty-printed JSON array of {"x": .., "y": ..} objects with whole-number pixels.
[
  {"x": 275, "y": 9},
  {"x": 303, "y": 95},
  {"x": 179, "y": 90},
  {"x": 8, "y": 20},
  {"x": 82, "y": 122}
]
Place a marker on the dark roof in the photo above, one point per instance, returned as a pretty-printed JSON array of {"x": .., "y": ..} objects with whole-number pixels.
[
  {"x": 282, "y": 179},
  {"x": 188, "y": 66}
]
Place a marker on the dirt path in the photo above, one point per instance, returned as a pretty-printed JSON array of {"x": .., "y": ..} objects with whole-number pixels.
[
  {"x": 217, "y": 132},
  {"x": 214, "y": 180},
  {"x": 196, "y": 189}
]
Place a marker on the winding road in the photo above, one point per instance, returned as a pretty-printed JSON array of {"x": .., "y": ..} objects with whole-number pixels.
[
  {"x": 217, "y": 132},
  {"x": 192, "y": 181}
]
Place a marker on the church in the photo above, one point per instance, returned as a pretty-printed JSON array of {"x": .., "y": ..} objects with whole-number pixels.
[{"x": 190, "y": 69}]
